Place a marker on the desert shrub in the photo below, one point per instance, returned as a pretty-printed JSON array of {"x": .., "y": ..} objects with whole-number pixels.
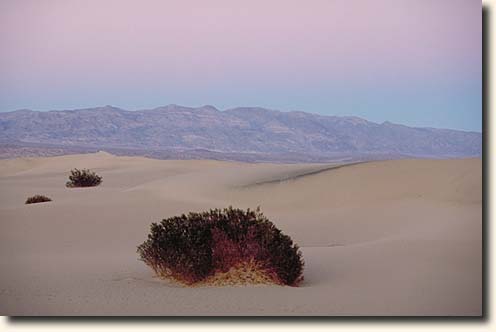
[
  {"x": 83, "y": 178},
  {"x": 191, "y": 248},
  {"x": 38, "y": 199}
]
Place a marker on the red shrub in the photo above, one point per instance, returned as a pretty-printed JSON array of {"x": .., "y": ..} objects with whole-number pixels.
[{"x": 194, "y": 247}]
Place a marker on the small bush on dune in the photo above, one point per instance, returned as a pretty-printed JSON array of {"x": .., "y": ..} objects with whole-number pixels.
[
  {"x": 83, "y": 178},
  {"x": 38, "y": 199},
  {"x": 195, "y": 248}
]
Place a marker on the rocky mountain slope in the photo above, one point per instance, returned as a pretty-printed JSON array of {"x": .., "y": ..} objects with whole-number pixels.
[{"x": 235, "y": 131}]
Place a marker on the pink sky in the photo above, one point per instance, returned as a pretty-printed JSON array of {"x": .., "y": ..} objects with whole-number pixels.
[{"x": 65, "y": 54}]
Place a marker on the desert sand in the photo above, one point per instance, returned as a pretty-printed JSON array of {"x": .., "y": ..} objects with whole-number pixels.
[{"x": 396, "y": 237}]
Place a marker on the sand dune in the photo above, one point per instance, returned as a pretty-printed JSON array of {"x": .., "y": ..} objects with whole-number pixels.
[{"x": 381, "y": 238}]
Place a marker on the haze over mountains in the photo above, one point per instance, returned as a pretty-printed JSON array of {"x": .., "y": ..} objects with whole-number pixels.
[{"x": 246, "y": 134}]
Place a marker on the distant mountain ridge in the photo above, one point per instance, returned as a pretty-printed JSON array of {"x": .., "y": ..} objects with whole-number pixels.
[{"x": 242, "y": 130}]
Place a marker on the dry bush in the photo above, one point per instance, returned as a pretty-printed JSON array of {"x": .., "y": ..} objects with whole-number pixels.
[
  {"x": 195, "y": 248},
  {"x": 38, "y": 199},
  {"x": 83, "y": 178}
]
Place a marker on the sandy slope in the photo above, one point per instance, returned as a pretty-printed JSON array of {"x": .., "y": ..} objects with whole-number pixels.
[{"x": 380, "y": 238}]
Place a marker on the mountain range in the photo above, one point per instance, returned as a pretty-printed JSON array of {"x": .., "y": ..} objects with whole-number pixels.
[{"x": 243, "y": 133}]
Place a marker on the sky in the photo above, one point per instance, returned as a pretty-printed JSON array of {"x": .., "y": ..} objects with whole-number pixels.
[{"x": 415, "y": 62}]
